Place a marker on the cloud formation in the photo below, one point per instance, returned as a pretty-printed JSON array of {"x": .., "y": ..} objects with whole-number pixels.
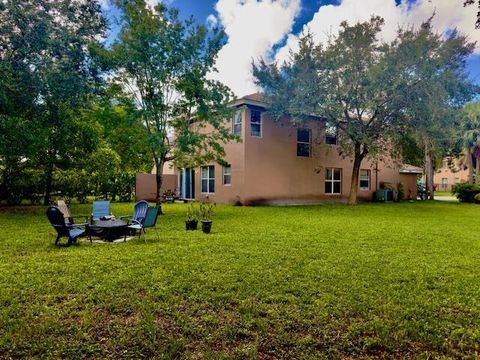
[
  {"x": 253, "y": 28},
  {"x": 449, "y": 14}
]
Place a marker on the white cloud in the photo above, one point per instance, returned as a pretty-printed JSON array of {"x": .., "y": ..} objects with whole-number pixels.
[
  {"x": 212, "y": 20},
  {"x": 253, "y": 28},
  {"x": 449, "y": 14}
]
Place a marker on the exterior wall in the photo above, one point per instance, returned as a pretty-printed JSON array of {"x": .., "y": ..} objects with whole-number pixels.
[
  {"x": 454, "y": 175},
  {"x": 409, "y": 182},
  {"x": 267, "y": 169},
  {"x": 145, "y": 185},
  {"x": 235, "y": 156}
]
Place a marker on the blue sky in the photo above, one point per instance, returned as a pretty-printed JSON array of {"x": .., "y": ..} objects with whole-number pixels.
[{"x": 269, "y": 28}]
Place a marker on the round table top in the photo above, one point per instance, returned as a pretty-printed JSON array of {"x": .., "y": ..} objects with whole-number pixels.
[{"x": 113, "y": 223}]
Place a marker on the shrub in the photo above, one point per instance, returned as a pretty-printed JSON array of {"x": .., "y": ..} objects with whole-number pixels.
[{"x": 466, "y": 192}]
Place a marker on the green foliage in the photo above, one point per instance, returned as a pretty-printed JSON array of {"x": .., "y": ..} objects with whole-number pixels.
[
  {"x": 466, "y": 192},
  {"x": 47, "y": 80},
  {"x": 345, "y": 284},
  {"x": 193, "y": 212},
  {"x": 161, "y": 64},
  {"x": 206, "y": 210},
  {"x": 375, "y": 93}
]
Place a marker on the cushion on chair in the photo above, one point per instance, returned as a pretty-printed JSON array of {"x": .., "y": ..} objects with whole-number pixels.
[{"x": 76, "y": 232}]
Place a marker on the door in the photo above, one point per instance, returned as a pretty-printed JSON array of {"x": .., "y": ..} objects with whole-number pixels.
[{"x": 188, "y": 183}]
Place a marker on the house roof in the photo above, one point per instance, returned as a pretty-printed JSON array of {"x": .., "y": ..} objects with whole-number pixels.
[
  {"x": 410, "y": 169},
  {"x": 256, "y": 99}
]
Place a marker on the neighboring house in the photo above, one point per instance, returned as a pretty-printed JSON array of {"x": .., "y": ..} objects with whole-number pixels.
[
  {"x": 277, "y": 162},
  {"x": 453, "y": 171}
]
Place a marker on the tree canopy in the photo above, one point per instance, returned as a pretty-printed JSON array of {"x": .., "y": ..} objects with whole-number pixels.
[{"x": 373, "y": 92}]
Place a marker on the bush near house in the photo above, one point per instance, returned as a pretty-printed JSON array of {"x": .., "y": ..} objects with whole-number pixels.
[{"x": 466, "y": 192}]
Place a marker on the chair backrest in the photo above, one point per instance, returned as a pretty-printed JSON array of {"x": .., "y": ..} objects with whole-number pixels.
[
  {"x": 140, "y": 211},
  {"x": 100, "y": 208},
  {"x": 62, "y": 206},
  {"x": 57, "y": 220},
  {"x": 151, "y": 216}
]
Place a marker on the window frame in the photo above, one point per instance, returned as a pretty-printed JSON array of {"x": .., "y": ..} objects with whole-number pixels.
[
  {"x": 309, "y": 143},
  {"x": 207, "y": 179},
  {"x": 444, "y": 183},
  {"x": 260, "y": 123},
  {"x": 225, "y": 174},
  {"x": 369, "y": 179},
  {"x": 328, "y": 135},
  {"x": 333, "y": 181},
  {"x": 238, "y": 115}
]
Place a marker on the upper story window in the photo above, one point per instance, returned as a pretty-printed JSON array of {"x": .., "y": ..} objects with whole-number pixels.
[
  {"x": 237, "y": 123},
  {"x": 227, "y": 175},
  {"x": 255, "y": 123},
  {"x": 331, "y": 134},
  {"x": 208, "y": 179},
  {"x": 304, "y": 142},
  {"x": 364, "y": 180}
]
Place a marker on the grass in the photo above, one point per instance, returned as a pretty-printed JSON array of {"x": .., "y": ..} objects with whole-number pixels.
[
  {"x": 443, "y": 193},
  {"x": 370, "y": 281}
]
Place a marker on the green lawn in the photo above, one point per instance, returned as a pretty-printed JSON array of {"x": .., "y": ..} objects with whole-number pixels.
[
  {"x": 443, "y": 193},
  {"x": 332, "y": 281}
]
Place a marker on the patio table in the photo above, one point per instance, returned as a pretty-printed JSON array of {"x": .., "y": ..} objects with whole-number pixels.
[{"x": 108, "y": 229}]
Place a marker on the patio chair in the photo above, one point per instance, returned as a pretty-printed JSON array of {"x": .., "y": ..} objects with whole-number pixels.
[
  {"x": 72, "y": 231},
  {"x": 149, "y": 221},
  {"x": 69, "y": 219},
  {"x": 139, "y": 212},
  {"x": 100, "y": 209}
]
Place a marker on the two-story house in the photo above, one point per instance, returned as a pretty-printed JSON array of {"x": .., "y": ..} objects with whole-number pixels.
[{"x": 277, "y": 162}]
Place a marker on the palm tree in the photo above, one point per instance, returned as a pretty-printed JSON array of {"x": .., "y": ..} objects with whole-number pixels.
[{"x": 471, "y": 139}]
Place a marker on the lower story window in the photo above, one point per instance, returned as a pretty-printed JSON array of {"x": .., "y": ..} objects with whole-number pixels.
[
  {"x": 208, "y": 179},
  {"x": 444, "y": 183},
  {"x": 227, "y": 175},
  {"x": 333, "y": 181},
  {"x": 365, "y": 180}
]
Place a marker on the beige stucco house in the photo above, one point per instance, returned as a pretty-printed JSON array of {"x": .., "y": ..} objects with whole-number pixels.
[
  {"x": 453, "y": 171},
  {"x": 277, "y": 162}
]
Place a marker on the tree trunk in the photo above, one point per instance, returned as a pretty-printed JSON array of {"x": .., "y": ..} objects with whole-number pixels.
[
  {"x": 159, "y": 180},
  {"x": 470, "y": 166},
  {"x": 49, "y": 176},
  {"x": 477, "y": 169},
  {"x": 429, "y": 171},
  {"x": 357, "y": 162}
]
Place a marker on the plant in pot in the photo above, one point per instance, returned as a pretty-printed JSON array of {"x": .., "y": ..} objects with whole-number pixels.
[
  {"x": 206, "y": 212},
  {"x": 191, "y": 222}
]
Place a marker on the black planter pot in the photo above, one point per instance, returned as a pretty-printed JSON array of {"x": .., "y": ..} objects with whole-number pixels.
[
  {"x": 206, "y": 226},
  {"x": 191, "y": 224}
]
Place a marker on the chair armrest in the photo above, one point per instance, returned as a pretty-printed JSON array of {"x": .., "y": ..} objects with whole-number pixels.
[{"x": 78, "y": 225}]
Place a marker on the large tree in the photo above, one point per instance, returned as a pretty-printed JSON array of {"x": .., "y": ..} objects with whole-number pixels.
[
  {"x": 470, "y": 139},
  {"x": 376, "y": 94},
  {"x": 435, "y": 66},
  {"x": 48, "y": 76},
  {"x": 351, "y": 83},
  {"x": 162, "y": 64}
]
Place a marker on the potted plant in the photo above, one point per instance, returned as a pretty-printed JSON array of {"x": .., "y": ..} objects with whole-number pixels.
[
  {"x": 191, "y": 222},
  {"x": 206, "y": 212}
]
